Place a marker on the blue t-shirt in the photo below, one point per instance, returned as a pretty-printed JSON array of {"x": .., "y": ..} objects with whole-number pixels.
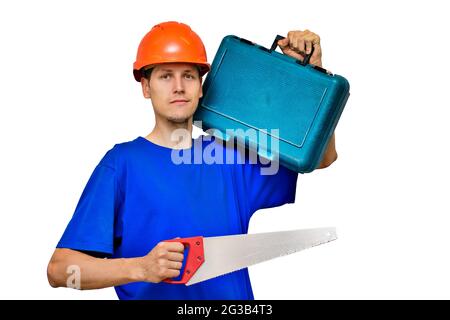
[{"x": 138, "y": 196}]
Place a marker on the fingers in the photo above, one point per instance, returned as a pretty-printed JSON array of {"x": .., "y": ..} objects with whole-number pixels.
[
  {"x": 170, "y": 251},
  {"x": 174, "y": 265},
  {"x": 164, "y": 261},
  {"x": 165, "y": 273},
  {"x": 172, "y": 246},
  {"x": 298, "y": 44},
  {"x": 308, "y": 47},
  {"x": 171, "y": 255},
  {"x": 169, "y": 260},
  {"x": 170, "y": 273},
  {"x": 283, "y": 43},
  {"x": 175, "y": 256},
  {"x": 302, "y": 41},
  {"x": 286, "y": 49}
]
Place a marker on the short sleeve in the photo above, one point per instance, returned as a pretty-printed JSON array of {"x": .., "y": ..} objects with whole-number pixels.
[
  {"x": 267, "y": 185},
  {"x": 92, "y": 225}
]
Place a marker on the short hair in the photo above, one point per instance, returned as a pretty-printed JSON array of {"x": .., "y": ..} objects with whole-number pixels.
[{"x": 146, "y": 73}]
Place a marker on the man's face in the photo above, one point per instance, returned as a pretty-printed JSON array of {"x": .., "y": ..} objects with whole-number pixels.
[{"x": 174, "y": 89}]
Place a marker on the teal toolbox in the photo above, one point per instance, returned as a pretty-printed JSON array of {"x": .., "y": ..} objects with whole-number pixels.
[{"x": 251, "y": 89}]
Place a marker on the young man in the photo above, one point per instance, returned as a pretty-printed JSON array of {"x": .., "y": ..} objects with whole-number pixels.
[{"x": 137, "y": 197}]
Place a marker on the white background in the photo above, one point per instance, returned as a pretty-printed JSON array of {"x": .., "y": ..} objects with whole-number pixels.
[{"x": 68, "y": 95}]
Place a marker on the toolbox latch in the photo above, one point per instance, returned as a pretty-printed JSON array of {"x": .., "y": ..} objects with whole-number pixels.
[
  {"x": 323, "y": 70},
  {"x": 246, "y": 41}
]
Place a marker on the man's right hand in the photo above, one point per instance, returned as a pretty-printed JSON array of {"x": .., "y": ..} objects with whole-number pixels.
[{"x": 164, "y": 261}]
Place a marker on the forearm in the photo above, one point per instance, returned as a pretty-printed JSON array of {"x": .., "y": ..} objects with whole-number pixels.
[
  {"x": 330, "y": 154},
  {"x": 93, "y": 273}
]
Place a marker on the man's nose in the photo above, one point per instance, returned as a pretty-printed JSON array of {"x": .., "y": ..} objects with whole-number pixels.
[{"x": 178, "y": 84}]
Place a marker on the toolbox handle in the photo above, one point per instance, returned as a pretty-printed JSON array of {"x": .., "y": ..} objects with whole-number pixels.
[{"x": 305, "y": 60}]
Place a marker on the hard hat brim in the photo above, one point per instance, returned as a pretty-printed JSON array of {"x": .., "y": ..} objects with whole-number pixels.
[{"x": 203, "y": 68}]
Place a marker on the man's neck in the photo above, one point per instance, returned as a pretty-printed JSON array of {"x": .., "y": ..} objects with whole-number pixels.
[{"x": 172, "y": 134}]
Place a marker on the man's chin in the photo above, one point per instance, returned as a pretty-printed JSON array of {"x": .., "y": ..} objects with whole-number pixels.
[{"x": 179, "y": 119}]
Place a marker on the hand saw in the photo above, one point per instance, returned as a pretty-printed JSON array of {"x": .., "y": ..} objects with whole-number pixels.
[{"x": 210, "y": 257}]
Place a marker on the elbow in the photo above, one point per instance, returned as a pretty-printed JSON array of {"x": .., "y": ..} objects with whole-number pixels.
[
  {"x": 52, "y": 274},
  {"x": 63, "y": 270},
  {"x": 56, "y": 269},
  {"x": 327, "y": 161}
]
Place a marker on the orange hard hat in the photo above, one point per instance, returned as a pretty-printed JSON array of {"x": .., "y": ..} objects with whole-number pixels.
[{"x": 170, "y": 42}]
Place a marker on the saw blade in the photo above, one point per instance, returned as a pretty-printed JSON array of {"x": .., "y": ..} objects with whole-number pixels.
[{"x": 231, "y": 253}]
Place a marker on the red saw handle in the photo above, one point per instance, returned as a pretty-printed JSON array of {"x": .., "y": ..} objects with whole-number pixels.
[{"x": 195, "y": 258}]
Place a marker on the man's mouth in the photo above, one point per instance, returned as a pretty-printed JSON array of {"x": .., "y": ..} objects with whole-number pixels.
[{"x": 179, "y": 101}]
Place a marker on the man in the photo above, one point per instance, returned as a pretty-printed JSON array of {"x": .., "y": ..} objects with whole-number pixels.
[{"x": 137, "y": 197}]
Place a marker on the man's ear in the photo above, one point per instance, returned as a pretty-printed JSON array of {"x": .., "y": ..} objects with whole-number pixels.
[
  {"x": 145, "y": 83},
  {"x": 201, "y": 88}
]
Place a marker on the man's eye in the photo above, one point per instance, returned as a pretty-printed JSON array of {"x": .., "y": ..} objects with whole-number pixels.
[
  {"x": 165, "y": 76},
  {"x": 189, "y": 76}
]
